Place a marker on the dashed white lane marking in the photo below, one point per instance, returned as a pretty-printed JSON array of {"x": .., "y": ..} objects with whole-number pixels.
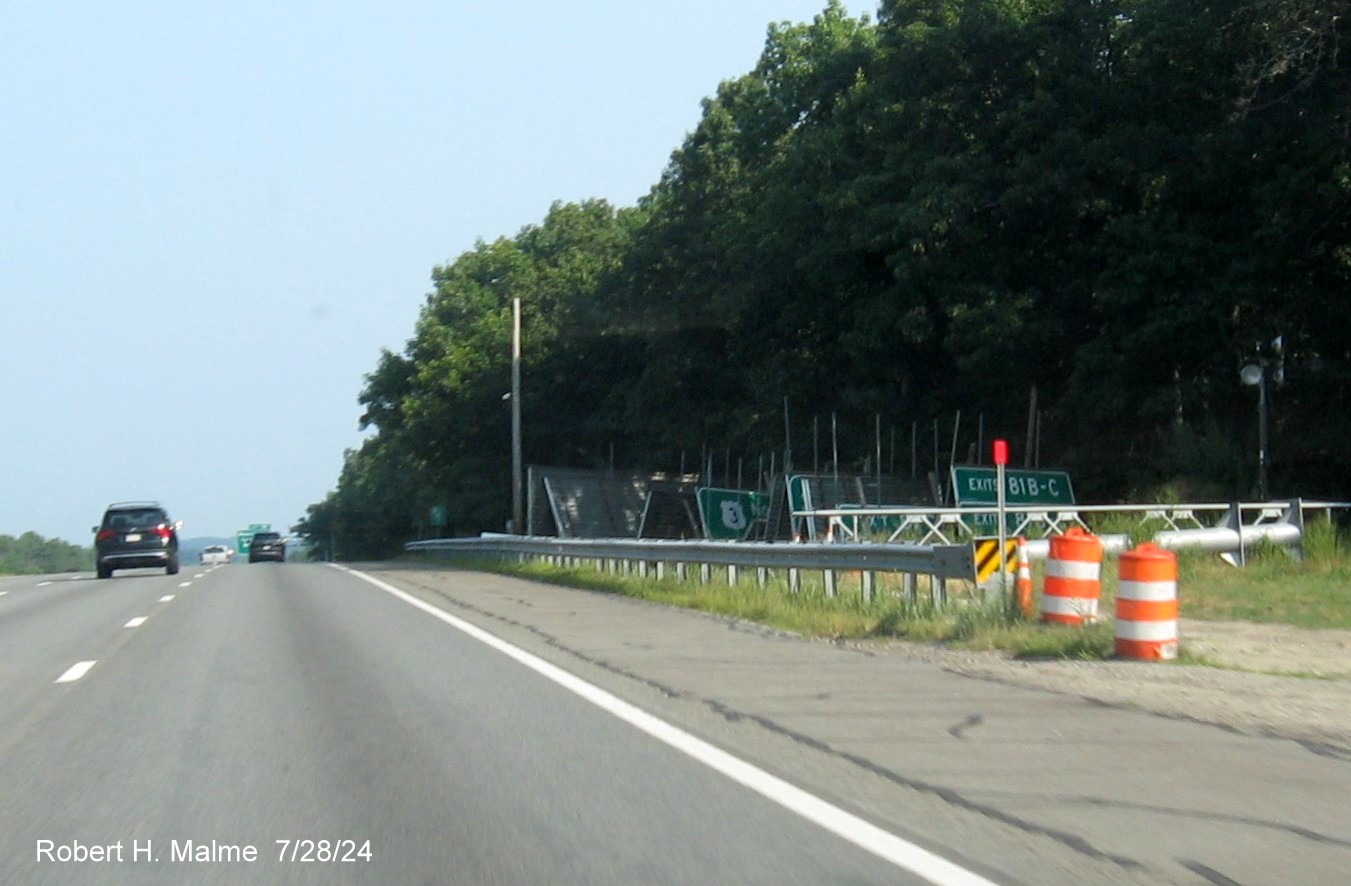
[
  {"x": 166, "y": 598},
  {"x": 2, "y": 593},
  {"x": 185, "y": 584},
  {"x": 43, "y": 584},
  {"x": 867, "y": 836},
  {"x": 75, "y": 672},
  {"x": 136, "y": 622},
  {"x": 199, "y": 575}
]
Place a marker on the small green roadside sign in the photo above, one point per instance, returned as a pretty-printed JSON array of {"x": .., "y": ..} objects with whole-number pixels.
[
  {"x": 727, "y": 513},
  {"x": 979, "y": 487}
]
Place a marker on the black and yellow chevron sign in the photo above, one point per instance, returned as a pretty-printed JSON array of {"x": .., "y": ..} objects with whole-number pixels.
[{"x": 987, "y": 557}]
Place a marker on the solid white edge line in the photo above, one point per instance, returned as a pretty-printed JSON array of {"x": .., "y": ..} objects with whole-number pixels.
[
  {"x": 136, "y": 622},
  {"x": 75, "y": 671},
  {"x": 879, "y": 842}
]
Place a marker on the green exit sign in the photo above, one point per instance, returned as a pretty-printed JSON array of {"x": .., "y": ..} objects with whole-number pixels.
[
  {"x": 979, "y": 487},
  {"x": 244, "y": 537}
]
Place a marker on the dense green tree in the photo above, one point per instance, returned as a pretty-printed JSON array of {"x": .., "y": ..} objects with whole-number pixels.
[
  {"x": 1114, "y": 203},
  {"x": 31, "y": 554},
  {"x": 439, "y": 409}
]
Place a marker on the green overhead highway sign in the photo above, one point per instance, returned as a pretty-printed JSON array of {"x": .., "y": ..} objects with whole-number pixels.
[{"x": 244, "y": 537}]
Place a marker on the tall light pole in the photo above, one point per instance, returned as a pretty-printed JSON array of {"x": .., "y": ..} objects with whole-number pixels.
[
  {"x": 517, "y": 499},
  {"x": 1269, "y": 367}
]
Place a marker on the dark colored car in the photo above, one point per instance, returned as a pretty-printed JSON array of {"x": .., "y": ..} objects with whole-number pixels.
[
  {"x": 135, "y": 534},
  {"x": 267, "y": 546}
]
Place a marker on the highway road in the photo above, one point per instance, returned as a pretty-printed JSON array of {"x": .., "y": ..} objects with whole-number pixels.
[
  {"x": 435, "y": 726},
  {"x": 228, "y": 709}
]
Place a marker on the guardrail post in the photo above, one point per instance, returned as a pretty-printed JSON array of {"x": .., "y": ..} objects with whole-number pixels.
[
  {"x": 731, "y": 575},
  {"x": 1234, "y": 520},
  {"x": 866, "y": 581},
  {"x": 761, "y": 576},
  {"x": 829, "y": 576},
  {"x": 908, "y": 585},
  {"x": 794, "y": 579},
  {"x": 1294, "y": 515},
  {"x": 705, "y": 573}
]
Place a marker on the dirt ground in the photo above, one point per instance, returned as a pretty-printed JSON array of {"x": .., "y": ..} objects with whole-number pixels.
[
  {"x": 1271, "y": 649},
  {"x": 1270, "y": 680}
]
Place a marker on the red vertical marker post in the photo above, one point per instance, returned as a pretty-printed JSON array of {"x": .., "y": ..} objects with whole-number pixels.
[{"x": 1001, "y": 459}]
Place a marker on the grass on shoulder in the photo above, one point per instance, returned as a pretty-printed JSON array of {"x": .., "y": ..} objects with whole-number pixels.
[
  {"x": 1273, "y": 587},
  {"x": 966, "y": 622},
  {"x": 1308, "y": 587}
]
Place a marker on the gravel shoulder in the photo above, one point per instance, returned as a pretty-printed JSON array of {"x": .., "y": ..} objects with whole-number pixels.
[
  {"x": 1257, "y": 679},
  {"x": 1271, "y": 680}
]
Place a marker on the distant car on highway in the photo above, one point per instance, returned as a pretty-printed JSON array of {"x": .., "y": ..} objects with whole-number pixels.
[
  {"x": 135, "y": 534},
  {"x": 267, "y": 546},
  {"x": 213, "y": 555}
]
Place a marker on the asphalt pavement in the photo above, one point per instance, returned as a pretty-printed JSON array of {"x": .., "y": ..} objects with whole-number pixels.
[
  {"x": 279, "y": 723},
  {"x": 1019, "y": 785}
]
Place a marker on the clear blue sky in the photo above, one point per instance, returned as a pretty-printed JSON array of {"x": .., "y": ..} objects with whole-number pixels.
[{"x": 215, "y": 215}]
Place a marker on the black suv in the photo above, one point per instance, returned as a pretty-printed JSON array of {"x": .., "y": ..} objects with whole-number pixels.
[
  {"x": 267, "y": 546},
  {"x": 133, "y": 534}
]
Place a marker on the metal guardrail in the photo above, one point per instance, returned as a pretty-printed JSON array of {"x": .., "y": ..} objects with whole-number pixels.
[
  {"x": 941, "y": 562},
  {"x": 1219, "y": 527},
  {"x": 949, "y": 560}
]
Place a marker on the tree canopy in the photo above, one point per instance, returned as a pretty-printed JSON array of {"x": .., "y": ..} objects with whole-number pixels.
[
  {"x": 1115, "y": 203},
  {"x": 31, "y": 554}
]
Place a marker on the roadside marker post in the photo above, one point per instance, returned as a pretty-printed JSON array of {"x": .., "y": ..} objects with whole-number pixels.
[
  {"x": 986, "y": 551},
  {"x": 1001, "y": 459}
]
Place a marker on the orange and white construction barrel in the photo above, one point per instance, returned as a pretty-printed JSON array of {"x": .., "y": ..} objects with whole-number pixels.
[
  {"x": 1023, "y": 587},
  {"x": 1146, "y": 604},
  {"x": 1073, "y": 578}
]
